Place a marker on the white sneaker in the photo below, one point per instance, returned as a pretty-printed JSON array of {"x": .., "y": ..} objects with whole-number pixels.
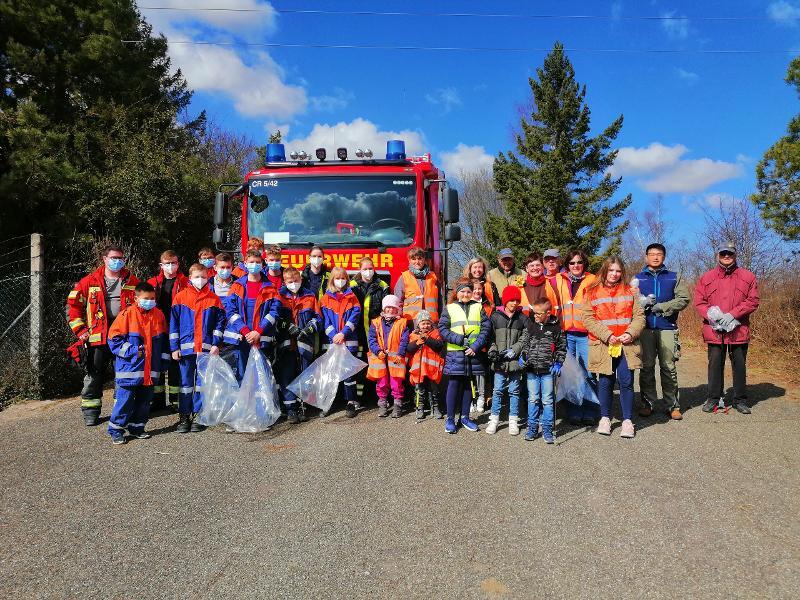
[
  {"x": 494, "y": 421},
  {"x": 480, "y": 406},
  {"x": 627, "y": 430},
  {"x": 513, "y": 425},
  {"x": 604, "y": 426}
]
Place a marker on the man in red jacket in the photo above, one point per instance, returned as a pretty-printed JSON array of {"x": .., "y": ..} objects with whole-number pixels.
[
  {"x": 725, "y": 297},
  {"x": 93, "y": 304}
]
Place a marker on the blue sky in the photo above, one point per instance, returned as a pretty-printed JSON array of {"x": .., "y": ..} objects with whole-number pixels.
[{"x": 696, "y": 122}]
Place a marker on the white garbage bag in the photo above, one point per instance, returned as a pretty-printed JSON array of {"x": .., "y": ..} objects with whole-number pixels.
[
  {"x": 317, "y": 385},
  {"x": 574, "y": 384},
  {"x": 218, "y": 388},
  {"x": 256, "y": 407}
]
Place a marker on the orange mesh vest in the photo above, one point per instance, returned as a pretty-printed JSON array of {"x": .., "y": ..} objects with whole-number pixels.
[{"x": 396, "y": 364}]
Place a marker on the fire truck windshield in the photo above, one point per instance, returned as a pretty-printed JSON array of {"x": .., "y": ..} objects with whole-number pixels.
[{"x": 337, "y": 209}]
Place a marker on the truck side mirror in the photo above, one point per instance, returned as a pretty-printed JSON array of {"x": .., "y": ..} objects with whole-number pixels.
[
  {"x": 220, "y": 209},
  {"x": 451, "y": 206},
  {"x": 452, "y": 233},
  {"x": 219, "y": 236}
]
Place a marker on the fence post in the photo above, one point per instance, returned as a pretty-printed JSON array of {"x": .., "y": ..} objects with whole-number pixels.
[{"x": 37, "y": 306}]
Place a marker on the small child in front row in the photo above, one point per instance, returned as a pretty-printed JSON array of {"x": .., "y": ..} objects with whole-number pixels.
[
  {"x": 545, "y": 350},
  {"x": 196, "y": 326},
  {"x": 425, "y": 364},
  {"x": 138, "y": 339},
  {"x": 387, "y": 340}
]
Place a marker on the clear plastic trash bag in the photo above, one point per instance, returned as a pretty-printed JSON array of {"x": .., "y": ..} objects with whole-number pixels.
[
  {"x": 256, "y": 407},
  {"x": 218, "y": 388},
  {"x": 317, "y": 385},
  {"x": 574, "y": 384}
]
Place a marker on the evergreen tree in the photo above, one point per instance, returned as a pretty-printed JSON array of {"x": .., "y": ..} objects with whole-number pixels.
[
  {"x": 555, "y": 188},
  {"x": 778, "y": 175}
]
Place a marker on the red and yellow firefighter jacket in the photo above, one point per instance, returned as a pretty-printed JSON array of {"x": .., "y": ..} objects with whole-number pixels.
[{"x": 86, "y": 304}]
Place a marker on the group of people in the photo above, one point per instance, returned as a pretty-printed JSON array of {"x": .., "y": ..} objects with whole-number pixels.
[{"x": 500, "y": 327}]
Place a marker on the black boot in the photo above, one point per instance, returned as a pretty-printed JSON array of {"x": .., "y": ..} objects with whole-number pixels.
[
  {"x": 420, "y": 396},
  {"x": 742, "y": 408},
  {"x": 433, "y": 394},
  {"x": 91, "y": 416},
  {"x": 184, "y": 425},
  {"x": 196, "y": 427}
]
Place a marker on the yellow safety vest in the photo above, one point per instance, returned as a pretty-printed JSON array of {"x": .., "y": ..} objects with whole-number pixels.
[{"x": 468, "y": 325}]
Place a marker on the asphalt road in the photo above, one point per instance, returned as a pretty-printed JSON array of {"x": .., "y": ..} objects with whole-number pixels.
[{"x": 387, "y": 508}]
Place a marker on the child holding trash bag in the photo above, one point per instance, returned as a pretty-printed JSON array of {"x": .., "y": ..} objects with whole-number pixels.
[
  {"x": 299, "y": 322},
  {"x": 508, "y": 331},
  {"x": 614, "y": 320},
  {"x": 544, "y": 351},
  {"x": 425, "y": 364},
  {"x": 388, "y": 339},
  {"x": 252, "y": 312},
  {"x": 340, "y": 316},
  {"x": 138, "y": 339},
  {"x": 196, "y": 326},
  {"x": 465, "y": 328}
]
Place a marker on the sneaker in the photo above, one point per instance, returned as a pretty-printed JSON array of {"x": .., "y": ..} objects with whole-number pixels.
[
  {"x": 291, "y": 417},
  {"x": 676, "y": 415},
  {"x": 548, "y": 436},
  {"x": 398, "y": 411},
  {"x": 383, "y": 411},
  {"x": 646, "y": 410},
  {"x": 469, "y": 425},
  {"x": 437, "y": 414},
  {"x": 513, "y": 425},
  {"x": 117, "y": 437},
  {"x": 420, "y": 414},
  {"x": 627, "y": 430},
  {"x": 450, "y": 425},
  {"x": 350, "y": 410},
  {"x": 494, "y": 421},
  {"x": 197, "y": 427},
  {"x": 709, "y": 405},
  {"x": 742, "y": 408},
  {"x": 480, "y": 405},
  {"x": 531, "y": 434},
  {"x": 142, "y": 435},
  {"x": 604, "y": 426},
  {"x": 183, "y": 424}
]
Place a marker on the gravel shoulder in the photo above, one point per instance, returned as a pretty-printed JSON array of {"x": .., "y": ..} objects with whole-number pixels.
[{"x": 385, "y": 508}]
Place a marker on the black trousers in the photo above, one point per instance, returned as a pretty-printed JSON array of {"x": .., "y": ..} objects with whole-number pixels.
[
  {"x": 97, "y": 359},
  {"x": 716, "y": 371}
]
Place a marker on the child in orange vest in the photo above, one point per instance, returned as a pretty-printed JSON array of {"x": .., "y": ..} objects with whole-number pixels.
[
  {"x": 425, "y": 364},
  {"x": 388, "y": 339},
  {"x": 418, "y": 288}
]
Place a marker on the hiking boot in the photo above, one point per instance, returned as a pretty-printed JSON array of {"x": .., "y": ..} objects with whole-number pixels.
[
  {"x": 398, "y": 410},
  {"x": 548, "y": 436},
  {"x": 450, "y": 425},
  {"x": 420, "y": 414},
  {"x": 117, "y": 437},
  {"x": 604, "y": 426},
  {"x": 646, "y": 410},
  {"x": 531, "y": 434},
  {"x": 350, "y": 410},
  {"x": 437, "y": 414},
  {"x": 291, "y": 417},
  {"x": 140, "y": 435},
  {"x": 513, "y": 425},
  {"x": 709, "y": 405},
  {"x": 494, "y": 421},
  {"x": 627, "y": 430},
  {"x": 383, "y": 410},
  {"x": 184, "y": 424},
  {"x": 468, "y": 424},
  {"x": 676, "y": 415},
  {"x": 91, "y": 417},
  {"x": 197, "y": 427},
  {"x": 742, "y": 408}
]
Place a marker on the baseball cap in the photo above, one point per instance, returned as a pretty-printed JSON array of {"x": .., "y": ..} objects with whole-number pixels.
[
  {"x": 726, "y": 247},
  {"x": 551, "y": 253},
  {"x": 505, "y": 253}
]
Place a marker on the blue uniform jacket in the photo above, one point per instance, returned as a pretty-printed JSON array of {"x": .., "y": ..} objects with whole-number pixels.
[
  {"x": 301, "y": 309},
  {"x": 340, "y": 314},
  {"x": 198, "y": 321},
  {"x": 138, "y": 340},
  {"x": 246, "y": 314}
]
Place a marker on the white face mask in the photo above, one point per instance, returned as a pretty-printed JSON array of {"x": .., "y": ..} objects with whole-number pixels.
[
  {"x": 168, "y": 268},
  {"x": 315, "y": 261},
  {"x": 340, "y": 283},
  {"x": 293, "y": 287},
  {"x": 199, "y": 282},
  {"x": 366, "y": 274}
]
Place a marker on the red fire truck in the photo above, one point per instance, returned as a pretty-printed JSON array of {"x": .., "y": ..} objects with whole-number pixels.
[{"x": 352, "y": 207}]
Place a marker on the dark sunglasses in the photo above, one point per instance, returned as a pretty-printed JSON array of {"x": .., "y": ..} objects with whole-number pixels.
[
  {"x": 726, "y": 253},
  {"x": 576, "y": 262}
]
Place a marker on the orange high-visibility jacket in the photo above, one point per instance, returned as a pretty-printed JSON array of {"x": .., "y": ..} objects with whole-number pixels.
[
  {"x": 613, "y": 307},
  {"x": 425, "y": 363},
  {"x": 391, "y": 346},
  {"x": 415, "y": 299},
  {"x": 564, "y": 306},
  {"x": 87, "y": 304}
]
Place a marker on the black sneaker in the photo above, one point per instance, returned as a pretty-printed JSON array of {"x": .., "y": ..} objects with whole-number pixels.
[
  {"x": 351, "y": 410},
  {"x": 292, "y": 417},
  {"x": 742, "y": 408},
  {"x": 709, "y": 405},
  {"x": 184, "y": 425},
  {"x": 117, "y": 437},
  {"x": 142, "y": 435},
  {"x": 197, "y": 427}
]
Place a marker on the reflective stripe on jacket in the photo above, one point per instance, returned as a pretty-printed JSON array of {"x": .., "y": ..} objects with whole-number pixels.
[
  {"x": 612, "y": 308},
  {"x": 393, "y": 346},
  {"x": 416, "y": 299},
  {"x": 86, "y": 304},
  {"x": 568, "y": 309},
  {"x": 301, "y": 309},
  {"x": 138, "y": 338},
  {"x": 341, "y": 314},
  {"x": 264, "y": 316},
  {"x": 198, "y": 321},
  {"x": 370, "y": 299},
  {"x": 452, "y": 326},
  {"x": 425, "y": 362},
  {"x": 466, "y": 323}
]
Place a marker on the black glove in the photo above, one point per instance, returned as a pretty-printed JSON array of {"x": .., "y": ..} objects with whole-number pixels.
[
  {"x": 493, "y": 355},
  {"x": 294, "y": 330},
  {"x": 306, "y": 332}
]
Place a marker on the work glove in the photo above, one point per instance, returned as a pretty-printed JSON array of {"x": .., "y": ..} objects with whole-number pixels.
[
  {"x": 726, "y": 321},
  {"x": 658, "y": 309},
  {"x": 556, "y": 369},
  {"x": 294, "y": 330},
  {"x": 508, "y": 354},
  {"x": 493, "y": 355},
  {"x": 306, "y": 332},
  {"x": 647, "y": 301}
]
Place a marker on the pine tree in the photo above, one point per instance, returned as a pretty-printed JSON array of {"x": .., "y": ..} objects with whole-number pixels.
[{"x": 555, "y": 188}]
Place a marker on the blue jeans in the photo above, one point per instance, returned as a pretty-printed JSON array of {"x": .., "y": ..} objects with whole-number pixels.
[
  {"x": 624, "y": 375},
  {"x": 506, "y": 382},
  {"x": 540, "y": 401},
  {"x": 578, "y": 346}
]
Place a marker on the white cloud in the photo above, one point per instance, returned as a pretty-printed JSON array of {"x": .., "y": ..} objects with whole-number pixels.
[
  {"x": 676, "y": 26},
  {"x": 717, "y": 200},
  {"x": 687, "y": 76},
  {"x": 784, "y": 12},
  {"x": 359, "y": 133},
  {"x": 331, "y": 103},
  {"x": 661, "y": 169},
  {"x": 447, "y": 98},
  {"x": 465, "y": 159}
]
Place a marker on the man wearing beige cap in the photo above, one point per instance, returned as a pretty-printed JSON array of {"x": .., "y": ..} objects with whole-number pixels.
[{"x": 507, "y": 272}]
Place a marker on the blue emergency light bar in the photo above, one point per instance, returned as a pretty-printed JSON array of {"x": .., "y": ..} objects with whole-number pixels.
[
  {"x": 395, "y": 150},
  {"x": 276, "y": 153}
]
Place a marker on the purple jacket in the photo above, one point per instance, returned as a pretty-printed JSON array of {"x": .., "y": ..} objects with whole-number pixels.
[{"x": 735, "y": 292}]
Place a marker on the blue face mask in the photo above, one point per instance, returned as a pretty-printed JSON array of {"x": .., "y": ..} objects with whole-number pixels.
[
  {"x": 116, "y": 264},
  {"x": 274, "y": 266},
  {"x": 146, "y": 304},
  {"x": 207, "y": 262},
  {"x": 224, "y": 273},
  {"x": 253, "y": 268}
]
